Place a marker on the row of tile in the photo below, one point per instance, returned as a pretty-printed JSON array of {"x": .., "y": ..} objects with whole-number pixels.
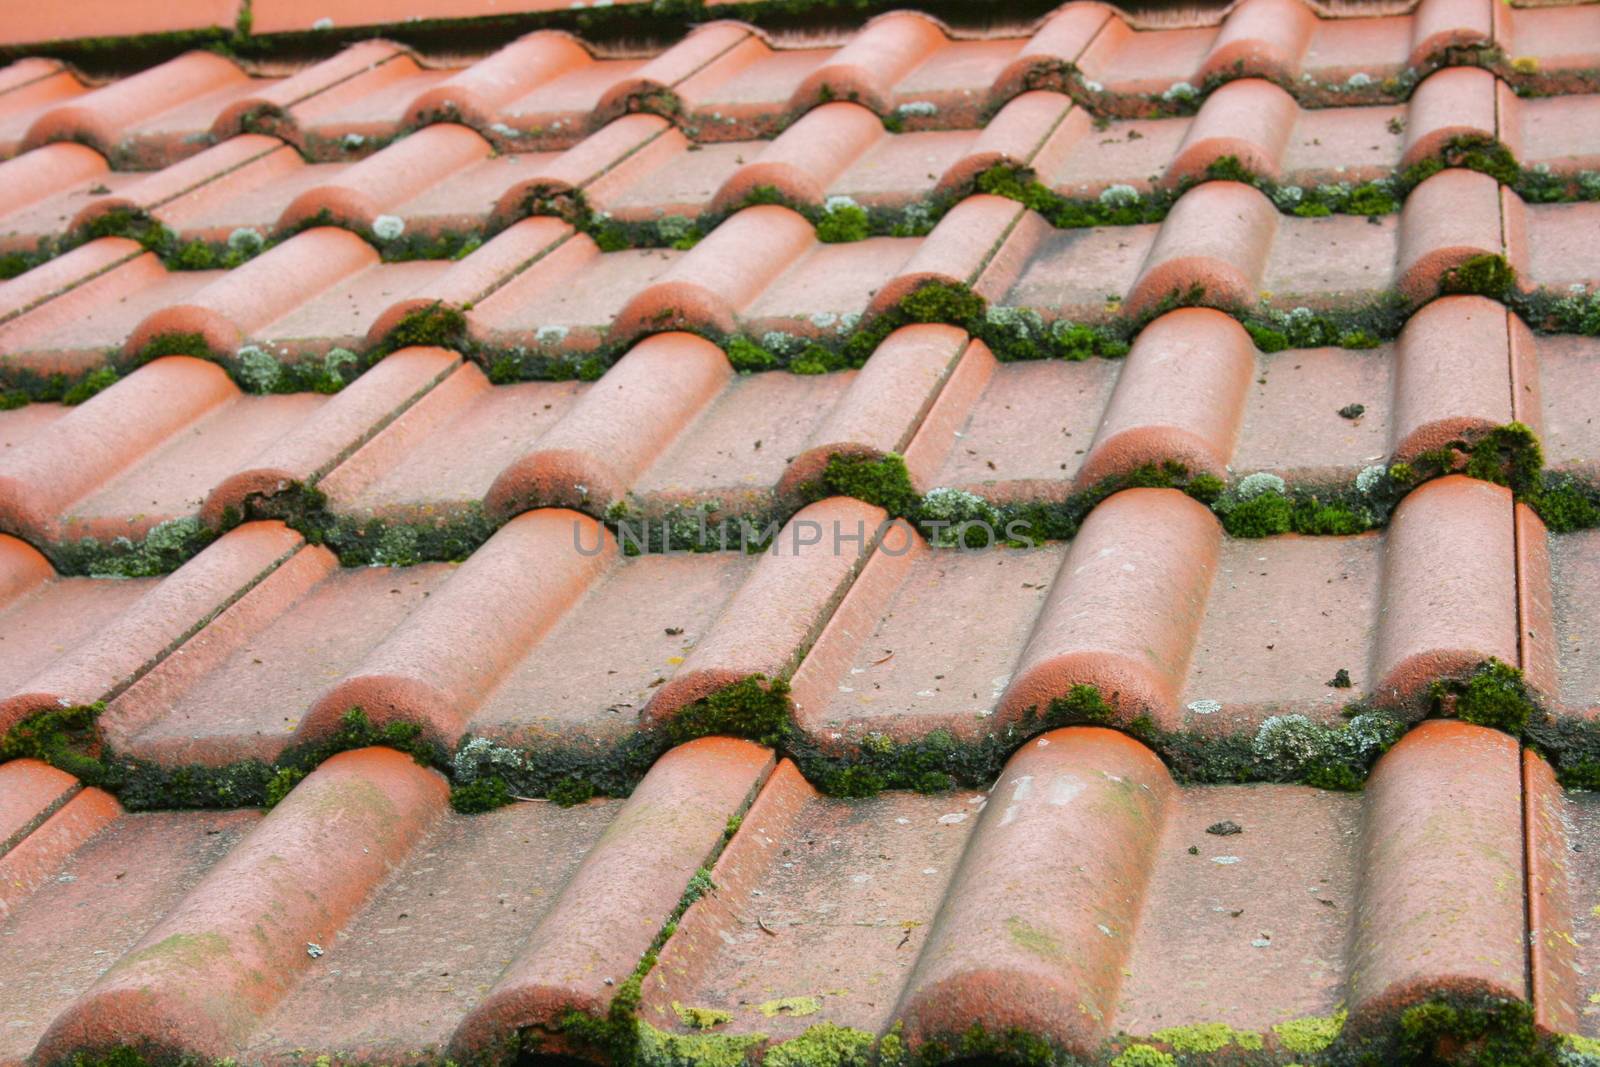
[
  {"x": 726, "y": 81},
  {"x": 1151, "y": 604},
  {"x": 424, "y": 438},
  {"x": 1084, "y": 900},
  {"x": 541, "y": 290},
  {"x": 447, "y": 181}
]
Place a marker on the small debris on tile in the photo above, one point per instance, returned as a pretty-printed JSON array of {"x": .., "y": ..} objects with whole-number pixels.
[
  {"x": 1225, "y": 828},
  {"x": 313, "y": 950},
  {"x": 1340, "y": 679},
  {"x": 1352, "y": 411}
]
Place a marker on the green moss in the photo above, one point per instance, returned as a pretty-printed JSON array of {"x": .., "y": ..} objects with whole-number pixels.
[
  {"x": 754, "y": 708},
  {"x": 843, "y": 221},
  {"x": 1507, "y": 455},
  {"x": 1083, "y": 703},
  {"x": 1489, "y": 1032},
  {"x": 437, "y": 325},
  {"x": 745, "y": 355},
  {"x": 1311, "y": 1034},
  {"x": 1486, "y": 275},
  {"x": 65, "y": 738},
  {"x": 175, "y": 344},
  {"x": 281, "y": 782},
  {"x": 1260, "y": 516},
  {"x": 95, "y": 381},
  {"x": 167, "y": 546},
  {"x": 881, "y": 480},
  {"x": 1563, "y": 503},
  {"x": 570, "y": 792},
  {"x": 484, "y": 794},
  {"x": 822, "y": 1045},
  {"x": 1494, "y": 696},
  {"x": 976, "y": 1044}
]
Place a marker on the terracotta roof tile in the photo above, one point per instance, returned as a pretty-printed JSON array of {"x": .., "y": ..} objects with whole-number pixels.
[{"x": 1141, "y": 484}]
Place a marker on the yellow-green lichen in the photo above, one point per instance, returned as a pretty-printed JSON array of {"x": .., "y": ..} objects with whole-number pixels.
[
  {"x": 1311, "y": 1034},
  {"x": 823, "y": 1045},
  {"x": 1144, "y": 1056},
  {"x": 1207, "y": 1038},
  {"x": 700, "y": 1018},
  {"x": 790, "y": 1006},
  {"x": 1033, "y": 939}
]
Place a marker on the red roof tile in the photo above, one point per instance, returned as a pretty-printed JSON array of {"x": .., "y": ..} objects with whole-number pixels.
[{"x": 1142, "y": 489}]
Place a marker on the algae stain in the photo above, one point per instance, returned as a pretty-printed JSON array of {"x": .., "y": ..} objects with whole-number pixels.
[{"x": 1033, "y": 939}]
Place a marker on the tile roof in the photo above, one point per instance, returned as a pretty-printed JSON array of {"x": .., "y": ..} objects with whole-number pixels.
[{"x": 821, "y": 540}]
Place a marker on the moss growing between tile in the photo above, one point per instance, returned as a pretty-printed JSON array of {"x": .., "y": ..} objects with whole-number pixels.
[
  {"x": 96, "y": 381},
  {"x": 436, "y": 325},
  {"x": 1486, "y": 275},
  {"x": 1564, "y": 503},
  {"x": 65, "y": 738},
  {"x": 881, "y": 480},
  {"x": 843, "y": 221},
  {"x": 1020, "y": 1048},
  {"x": 485, "y": 794},
  {"x": 165, "y": 548},
  {"x": 756, "y": 708},
  {"x": 1486, "y": 1032},
  {"x": 1494, "y": 695}
]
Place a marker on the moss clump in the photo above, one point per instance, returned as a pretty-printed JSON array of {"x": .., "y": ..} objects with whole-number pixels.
[
  {"x": 745, "y": 355},
  {"x": 1486, "y": 275},
  {"x": 484, "y": 794},
  {"x": 570, "y": 792},
  {"x": 1490, "y": 1032},
  {"x": 1494, "y": 696},
  {"x": 822, "y": 1045},
  {"x": 881, "y": 480},
  {"x": 1563, "y": 503},
  {"x": 1311, "y": 1034},
  {"x": 843, "y": 221},
  {"x": 1083, "y": 703},
  {"x": 1507, "y": 455},
  {"x": 754, "y": 708},
  {"x": 438, "y": 325},
  {"x": 1260, "y": 516}
]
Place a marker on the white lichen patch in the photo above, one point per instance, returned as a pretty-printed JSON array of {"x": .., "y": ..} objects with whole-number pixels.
[{"x": 388, "y": 227}]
